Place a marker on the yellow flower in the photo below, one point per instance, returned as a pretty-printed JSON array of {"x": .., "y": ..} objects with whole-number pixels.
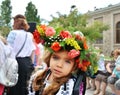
[
  {"x": 40, "y": 30},
  {"x": 72, "y": 42}
]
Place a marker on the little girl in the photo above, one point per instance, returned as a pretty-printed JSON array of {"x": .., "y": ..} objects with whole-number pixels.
[{"x": 65, "y": 74}]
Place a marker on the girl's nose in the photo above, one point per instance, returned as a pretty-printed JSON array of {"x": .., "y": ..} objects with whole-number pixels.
[{"x": 60, "y": 63}]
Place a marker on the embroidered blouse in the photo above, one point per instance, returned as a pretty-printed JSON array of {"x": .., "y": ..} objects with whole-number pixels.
[{"x": 65, "y": 89}]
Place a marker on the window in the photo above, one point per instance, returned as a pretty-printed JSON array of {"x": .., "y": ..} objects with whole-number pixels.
[
  {"x": 100, "y": 40},
  {"x": 118, "y": 32}
]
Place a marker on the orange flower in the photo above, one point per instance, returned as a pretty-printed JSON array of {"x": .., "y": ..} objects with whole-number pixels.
[
  {"x": 85, "y": 44},
  {"x": 43, "y": 27},
  {"x": 84, "y": 68},
  {"x": 80, "y": 65},
  {"x": 85, "y": 63},
  {"x": 55, "y": 46}
]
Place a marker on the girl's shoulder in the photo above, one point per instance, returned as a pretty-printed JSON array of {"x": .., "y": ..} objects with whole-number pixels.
[
  {"x": 67, "y": 88},
  {"x": 37, "y": 72}
]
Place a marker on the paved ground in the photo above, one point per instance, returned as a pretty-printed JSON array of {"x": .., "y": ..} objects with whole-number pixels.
[{"x": 90, "y": 92}]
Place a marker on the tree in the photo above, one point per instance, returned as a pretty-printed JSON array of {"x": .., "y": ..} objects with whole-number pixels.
[
  {"x": 78, "y": 22},
  {"x": 5, "y": 17},
  {"x": 4, "y": 30},
  {"x": 6, "y": 10},
  {"x": 32, "y": 13}
]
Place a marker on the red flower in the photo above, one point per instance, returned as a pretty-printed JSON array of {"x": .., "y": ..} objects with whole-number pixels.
[
  {"x": 65, "y": 34},
  {"x": 78, "y": 37},
  {"x": 77, "y": 60},
  {"x": 80, "y": 65},
  {"x": 83, "y": 66},
  {"x": 55, "y": 46},
  {"x": 36, "y": 36},
  {"x": 86, "y": 63}
]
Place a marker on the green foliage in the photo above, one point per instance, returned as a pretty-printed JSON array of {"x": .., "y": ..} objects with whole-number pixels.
[
  {"x": 5, "y": 17},
  {"x": 93, "y": 68},
  {"x": 6, "y": 10},
  {"x": 32, "y": 13},
  {"x": 94, "y": 31},
  {"x": 71, "y": 22},
  {"x": 4, "y": 30},
  {"x": 78, "y": 22}
]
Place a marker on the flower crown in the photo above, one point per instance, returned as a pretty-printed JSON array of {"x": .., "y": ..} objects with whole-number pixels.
[{"x": 55, "y": 40}]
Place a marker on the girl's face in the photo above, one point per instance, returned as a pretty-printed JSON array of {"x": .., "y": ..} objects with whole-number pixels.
[{"x": 61, "y": 65}]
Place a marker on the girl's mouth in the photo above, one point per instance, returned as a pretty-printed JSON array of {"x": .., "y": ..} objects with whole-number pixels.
[{"x": 57, "y": 71}]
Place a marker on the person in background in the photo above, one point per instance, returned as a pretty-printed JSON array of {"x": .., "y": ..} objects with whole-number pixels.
[
  {"x": 101, "y": 78},
  {"x": 91, "y": 83},
  {"x": 2, "y": 58},
  {"x": 39, "y": 47},
  {"x": 114, "y": 79},
  {"x": 5, "y": 49},
  {"x": 23, "y": 46},
  {"x": 32, "y": 27}
]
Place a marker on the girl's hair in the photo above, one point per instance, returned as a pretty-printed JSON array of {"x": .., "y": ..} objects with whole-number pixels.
[
  {"x": 46, "y": 57},
  {"x": 54, "y": 87},
  {"x": 20, "y": 23}
]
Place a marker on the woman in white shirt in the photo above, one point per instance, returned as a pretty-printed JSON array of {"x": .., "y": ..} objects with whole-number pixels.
[{"x": 23, "y": 47}]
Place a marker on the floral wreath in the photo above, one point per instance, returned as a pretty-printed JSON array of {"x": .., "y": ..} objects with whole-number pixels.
[{"x": 57, "y": 39}]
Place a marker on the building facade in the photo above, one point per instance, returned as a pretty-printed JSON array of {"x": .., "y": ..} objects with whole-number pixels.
[{"x": 111, "y": 16}]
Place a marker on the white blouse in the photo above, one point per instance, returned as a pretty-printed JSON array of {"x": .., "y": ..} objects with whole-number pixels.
[
  {"x": 16, "y": 39},
  {"x": 69, "y": 85},
  {"x": 5, "y": 50}
]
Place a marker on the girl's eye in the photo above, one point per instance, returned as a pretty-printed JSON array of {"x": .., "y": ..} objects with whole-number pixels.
[
  {"x": 55, "y": 57},
  {"x": 68, "y": 61}
]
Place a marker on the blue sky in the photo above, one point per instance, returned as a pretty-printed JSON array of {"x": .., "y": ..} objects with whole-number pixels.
[{"x": 50, "y": 7}]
